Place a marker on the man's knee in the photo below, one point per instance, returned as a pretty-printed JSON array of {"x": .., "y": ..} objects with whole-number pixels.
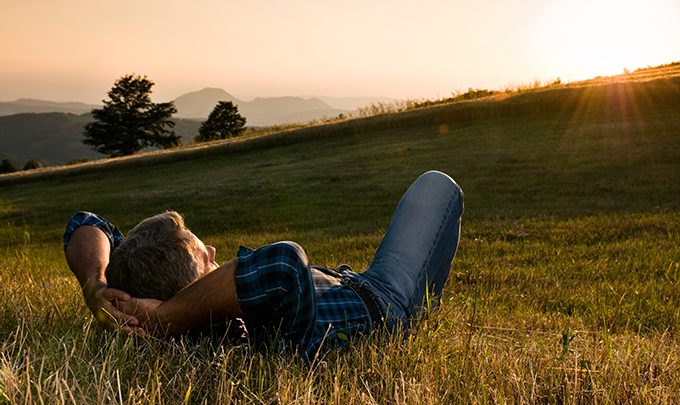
[{"x": 436, "y": 183}]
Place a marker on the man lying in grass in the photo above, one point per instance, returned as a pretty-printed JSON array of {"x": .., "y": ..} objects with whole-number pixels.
[{"x": 163, "y": 279}]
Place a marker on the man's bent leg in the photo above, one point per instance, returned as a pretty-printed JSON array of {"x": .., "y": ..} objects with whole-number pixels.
[{"x": 414, "y": 257}]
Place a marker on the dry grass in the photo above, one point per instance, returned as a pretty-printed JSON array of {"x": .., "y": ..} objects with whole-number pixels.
[{"x": 565, "y": 288}]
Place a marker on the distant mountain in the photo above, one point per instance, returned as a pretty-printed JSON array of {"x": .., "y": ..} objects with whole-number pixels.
[
  {"x": 199, "y": 104},
  {"x": 259, "y": 112},
  {"x": 28, "y": 105},
  {"x": 279, "y": 110},
  {"x": 57, "y": 138}
]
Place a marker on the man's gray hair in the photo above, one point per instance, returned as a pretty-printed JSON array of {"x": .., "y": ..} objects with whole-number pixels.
[{"x": 156, "y": 259}]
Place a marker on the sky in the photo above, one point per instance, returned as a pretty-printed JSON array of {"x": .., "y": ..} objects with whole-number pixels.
[{"x": 74, "y": 50}]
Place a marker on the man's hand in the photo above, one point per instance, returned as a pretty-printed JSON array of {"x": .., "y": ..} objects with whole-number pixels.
[
  {"x": 103, "y": 302},
  {"x": 142, "y": 310}
]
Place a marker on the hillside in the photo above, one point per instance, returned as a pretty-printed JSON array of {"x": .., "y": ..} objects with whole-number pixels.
[
  {"x": 565, "y": 287},
  {"x": 57, "y": 138},
  {"x": 27, "y": 105},
  {"x": 601, "y": 97},
  {"x": 50, "y": 138},
  {"x": 638, "y": 75}
]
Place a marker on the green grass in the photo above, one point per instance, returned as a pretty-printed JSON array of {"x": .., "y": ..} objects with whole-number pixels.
[{"x": 565, "y": 287}]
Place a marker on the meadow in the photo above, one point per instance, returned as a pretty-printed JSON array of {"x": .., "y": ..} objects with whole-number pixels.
[{"x": 565, "y": 287}]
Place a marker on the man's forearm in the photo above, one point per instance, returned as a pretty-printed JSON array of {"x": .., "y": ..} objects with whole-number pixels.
[
  {"x": 212, "y": 298},
  {"x": 87, "y": 255}
]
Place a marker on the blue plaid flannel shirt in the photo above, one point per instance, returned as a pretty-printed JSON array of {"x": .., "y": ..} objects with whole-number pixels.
[{"x": 281, "y": 295}]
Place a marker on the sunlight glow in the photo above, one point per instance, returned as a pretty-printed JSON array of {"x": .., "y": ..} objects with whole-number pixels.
[
  {"x": 72, "y": 51},
  {"x": 603, "y": 37}
]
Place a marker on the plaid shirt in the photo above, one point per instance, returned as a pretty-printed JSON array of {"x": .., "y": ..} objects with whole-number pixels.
[
  {"x": 280, "y": 293},
  {"x": 282, "y": 297},
  {"x": 87, "y": 218}
]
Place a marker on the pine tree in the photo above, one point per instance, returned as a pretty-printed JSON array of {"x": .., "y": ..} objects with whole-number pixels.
[
  {"x": 129, "y": 121},
  {"x": 223, "y": 122}
]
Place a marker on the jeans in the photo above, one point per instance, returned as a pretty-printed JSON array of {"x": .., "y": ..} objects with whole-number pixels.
[{"x": 413, "y": 260}]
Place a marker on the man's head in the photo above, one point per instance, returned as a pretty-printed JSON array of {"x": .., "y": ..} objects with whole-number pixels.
[{"x": 159, "y": 257}]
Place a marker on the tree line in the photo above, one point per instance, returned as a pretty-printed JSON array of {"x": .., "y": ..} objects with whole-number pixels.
[
  {"x": 6, "y": 166},
  {"x": 129, "y": 121}
]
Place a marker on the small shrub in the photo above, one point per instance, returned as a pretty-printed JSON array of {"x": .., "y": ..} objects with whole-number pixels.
[
  {"x": 7, "y": 167},
  {"x": 32, "y": 164}
]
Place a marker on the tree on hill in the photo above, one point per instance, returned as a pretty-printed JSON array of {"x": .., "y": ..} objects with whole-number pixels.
[
  {"x": 223, "y": 122},
  {"x": 129, "y": 121},
  {"x": 7, "y": 167}
]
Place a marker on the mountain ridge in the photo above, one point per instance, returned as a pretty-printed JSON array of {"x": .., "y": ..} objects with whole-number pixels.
[
  {"x": 261, "y": 111},
  {"x": 197, "y": 105},
  {"x": 34, "y": 105}
]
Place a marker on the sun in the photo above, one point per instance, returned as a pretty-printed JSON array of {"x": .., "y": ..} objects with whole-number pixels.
[{"x": 602, "y": 37}]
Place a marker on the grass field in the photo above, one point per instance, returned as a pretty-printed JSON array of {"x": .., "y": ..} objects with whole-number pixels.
[{"x": 565, "y": 287}]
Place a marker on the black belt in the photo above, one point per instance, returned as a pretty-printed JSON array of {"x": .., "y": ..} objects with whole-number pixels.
[{"x": 367, "y": 296}]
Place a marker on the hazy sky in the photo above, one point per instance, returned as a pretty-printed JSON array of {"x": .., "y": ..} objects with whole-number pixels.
[{"x": 75, "y": 49}]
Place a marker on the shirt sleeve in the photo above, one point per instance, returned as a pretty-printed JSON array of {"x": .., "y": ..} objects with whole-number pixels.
[
  {"x": 81, "y": 218},
  {"x": 276, "y": 293}
]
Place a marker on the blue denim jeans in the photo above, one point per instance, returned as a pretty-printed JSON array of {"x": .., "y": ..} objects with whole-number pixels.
[{"x": 413, "y": 260}]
